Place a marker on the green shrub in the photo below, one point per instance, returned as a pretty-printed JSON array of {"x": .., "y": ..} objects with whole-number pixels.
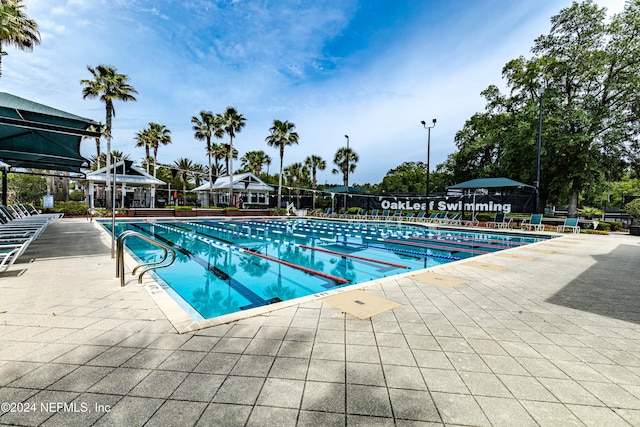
[
  {"x": 183, "y": 208},
  {"x": 589, "y": 212},
  {"x": 633, "y": 208},
  {"x": 76, "y": 196},
  {"x": 485, "y": 217},
  {"x": 616, "y": 225},
  {"x": 71, "y": 208}
]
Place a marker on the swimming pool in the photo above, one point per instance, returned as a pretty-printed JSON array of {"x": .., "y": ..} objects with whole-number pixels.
[{"x": 226, "y": 266}]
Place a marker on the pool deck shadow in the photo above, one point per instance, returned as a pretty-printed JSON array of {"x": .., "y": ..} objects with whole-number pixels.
[{"x": 552, "y": 338}]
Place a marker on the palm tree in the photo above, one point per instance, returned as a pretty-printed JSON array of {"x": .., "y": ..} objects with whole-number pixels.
[
  {"x": 346, "y": 160},
  {"x": 282, "y": 135},
  {"x": 198, "y": 172},
  {"x": 159, "y": 135},
  {"x": 99, "y": 128},
  {"x": 206, "y": 126},
  {"x": 297, "y": 173},
  {"x": 185, "y": 169},
  {"x": 252, "y": 161},
  {"x": 143, "y": 139},
  {"x": 109, "y": 86},
  {"x": 315, "y": 163},
  {"x": 16, "y": 28},
  {"x": 218, "y": 152},
  {"x": 232, "y": 123}
]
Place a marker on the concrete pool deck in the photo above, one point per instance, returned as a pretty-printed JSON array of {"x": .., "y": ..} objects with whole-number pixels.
[{"x": 547, "y": 335}]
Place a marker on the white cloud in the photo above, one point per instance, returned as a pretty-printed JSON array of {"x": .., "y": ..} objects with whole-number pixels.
[{"x": 270, "y": 60}]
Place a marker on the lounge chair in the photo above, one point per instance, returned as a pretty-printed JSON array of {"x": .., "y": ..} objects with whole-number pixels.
[
  {"x": 408, "y": 217},
  {"x": 385, "y": 214},
  {"x": 9, "y": 253},
  {"x": 570, "y": 223},
  {"x": 419, "y": 216},
  {"x": 454, "y": 219},
  {"x": 327, "y": 212},
  {"x": 373, "y": 214},
  {"x": 433, "y": 217},
  {"x": 397, "y": 215},
  {"x": 533, "y": 224},
  {"x": 500, "y": 221},
  {"x": 473, "y": 222},
  {"x": 52, "y": 216},
  {"x": 442, "y": 218}
]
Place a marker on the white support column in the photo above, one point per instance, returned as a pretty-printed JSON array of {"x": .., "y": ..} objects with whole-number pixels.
[{"x": 91, "y": 195}]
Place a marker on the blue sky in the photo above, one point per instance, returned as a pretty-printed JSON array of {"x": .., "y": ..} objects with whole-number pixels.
[{"x": 369, "y": 69}]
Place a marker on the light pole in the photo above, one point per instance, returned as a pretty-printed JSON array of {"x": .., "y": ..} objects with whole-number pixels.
[
  {"x": 428, "y": 128},
  {"x": 347, "y": 174},
  {"x": 537, "y": 205}
]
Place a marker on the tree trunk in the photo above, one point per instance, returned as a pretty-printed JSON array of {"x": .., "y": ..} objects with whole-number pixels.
[
  {"x": 573, "y": 204},
  {"x": 65, "y": 186}
]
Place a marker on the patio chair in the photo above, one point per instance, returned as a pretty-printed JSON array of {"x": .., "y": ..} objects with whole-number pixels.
[
  {"x": 9, "y": 253},
  {"x": 472, "y": 222},
  {"x": 533, "y": 224},
  {"x": 32, "y": 212},
  {"x": 409, "y": 216},
  {"x": 442, "y": 218},
  {"x": 419, "y": 216},
  {"x": 433, "y": 217},
  {"x": 570, "y": 223},
  {"x": 397, "y": 215},
  {"x": 453, "y": 219},
  {"x": 500, "y": 221}
]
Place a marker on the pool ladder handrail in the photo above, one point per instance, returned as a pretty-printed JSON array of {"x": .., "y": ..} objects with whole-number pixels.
[{"x": 149, "y": 265}]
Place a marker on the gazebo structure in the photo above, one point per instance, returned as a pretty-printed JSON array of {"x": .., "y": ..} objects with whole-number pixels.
[
  {"x": 136, "y": 187},
  {"x": 247, "y": 189}
]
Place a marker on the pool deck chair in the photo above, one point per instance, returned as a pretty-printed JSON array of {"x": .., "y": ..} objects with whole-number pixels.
[
  {"x": 419, "y": 216},
  {"x": 571, "y": 224},
  {"x": 433, "y": 217},
  {"x": 373, "y": 214},
  {"x": 533, "y": 224},
  {"x": 455, "y": 219},
  {"x": 500, "y": 221},
  {"x": 472, "y": 222}
]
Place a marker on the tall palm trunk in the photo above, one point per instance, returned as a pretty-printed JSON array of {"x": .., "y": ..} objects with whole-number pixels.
[
  {"x": 280, "y": 177},
  {"x": 230, "y": 170}
]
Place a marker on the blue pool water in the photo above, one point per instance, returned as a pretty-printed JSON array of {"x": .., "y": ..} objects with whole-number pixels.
[{"x": 225, "y": 266}]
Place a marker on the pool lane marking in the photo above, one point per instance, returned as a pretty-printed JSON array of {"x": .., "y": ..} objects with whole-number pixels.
[
  {"x": 445, "y": 238},
  {"x": 442, "y": 248},
  {"x": 274, "y": 259},
  {"x": 353, "y": 256},
  {"x": 236, "y": 285},
  {"x": 299, "y": 267},
  {"x": 418, "y": 255}
]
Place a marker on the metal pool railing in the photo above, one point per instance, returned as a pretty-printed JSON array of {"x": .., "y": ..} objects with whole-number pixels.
[{"x": 149, "y": 265}]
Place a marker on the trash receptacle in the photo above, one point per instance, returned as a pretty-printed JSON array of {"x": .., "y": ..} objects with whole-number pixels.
[{"x": 161, "y": 203}]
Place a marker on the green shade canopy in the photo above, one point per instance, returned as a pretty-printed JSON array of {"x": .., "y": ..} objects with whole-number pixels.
[
  {"x": 343, "y": 189},
  {"x": 36, "y": 136},
  {"x": 490, "y": 183}
]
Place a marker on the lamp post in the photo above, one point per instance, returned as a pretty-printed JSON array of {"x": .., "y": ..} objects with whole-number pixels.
[
  {"x": 428, "y": 128},
  {"x": 347, "y": 174},
  {"x": 537, "y": 202},
  {"x": 113, "y": 209}
]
